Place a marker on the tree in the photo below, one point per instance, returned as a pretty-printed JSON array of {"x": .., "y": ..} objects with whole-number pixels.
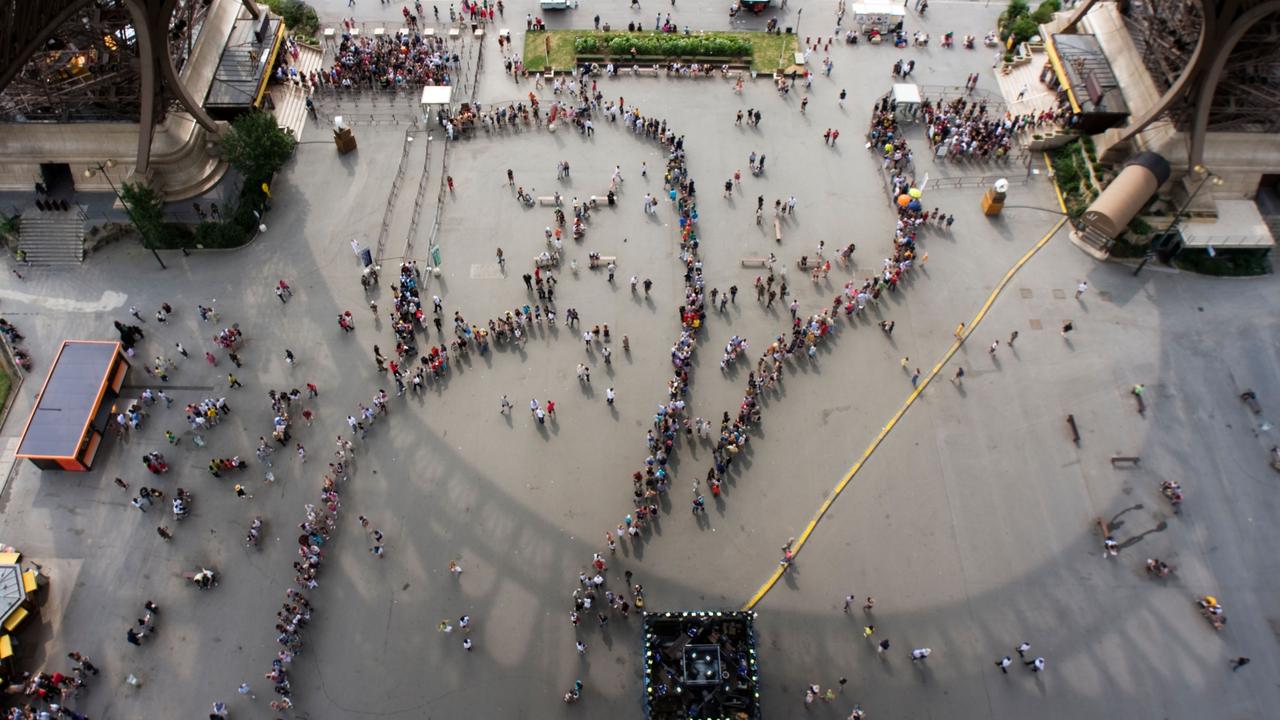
[
  {"x": 145, "y": 208},
  {"x": 256, "y": 146}
]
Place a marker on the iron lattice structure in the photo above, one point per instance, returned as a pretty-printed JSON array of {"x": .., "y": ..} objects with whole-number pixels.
[
  {"x": 100, "y": 60},
  {"x": 1216, "y": 63}
]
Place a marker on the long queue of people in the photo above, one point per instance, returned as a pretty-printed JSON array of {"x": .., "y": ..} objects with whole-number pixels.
[{"x": 669, "y": 420}]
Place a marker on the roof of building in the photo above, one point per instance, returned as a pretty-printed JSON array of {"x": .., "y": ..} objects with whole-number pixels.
[{"x": 67, "y": 402}]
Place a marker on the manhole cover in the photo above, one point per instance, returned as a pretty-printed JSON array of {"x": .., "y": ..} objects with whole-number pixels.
[
  {"x": 1026, "y": 292},
  {"x": 1036, "y": 324},
  {"x": 1104, "y": 296},
  {"x": 1060, "y": 294}
]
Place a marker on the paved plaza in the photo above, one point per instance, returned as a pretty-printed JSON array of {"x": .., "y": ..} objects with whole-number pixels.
[{"x": 973, "y": 524}]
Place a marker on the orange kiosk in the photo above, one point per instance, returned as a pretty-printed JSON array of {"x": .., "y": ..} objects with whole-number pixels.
[{"x": 74, "y": 407}]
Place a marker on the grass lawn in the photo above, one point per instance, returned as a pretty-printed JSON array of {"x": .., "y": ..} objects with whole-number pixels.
[
  {"x": 768, "y": 52},
  {"x": 6, "y": 384}
]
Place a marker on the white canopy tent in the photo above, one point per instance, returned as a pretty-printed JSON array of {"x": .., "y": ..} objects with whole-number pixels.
[
  {"x": 433, "y": 97},
  {"x": 906, "y": 99}
]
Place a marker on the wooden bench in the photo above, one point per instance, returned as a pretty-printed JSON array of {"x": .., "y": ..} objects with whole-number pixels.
[
  {"x": 29, "y": 582},
  {"x": 1125, "y": 459},
  {"x": 550, "y": 200},
  {"x": 15, "y": 619},
  {"x": 755, "y": 262},
  {"x": 645, "y": 70},
  {"x": 6, "y": 647},
  {"x": 777, "y": 229},
  {"x": 603, "y": 261}
]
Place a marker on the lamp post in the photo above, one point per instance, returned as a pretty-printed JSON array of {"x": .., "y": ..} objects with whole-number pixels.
[
  {"x": 1205, "y": 176},
  {"x": 101, "y": 167}
]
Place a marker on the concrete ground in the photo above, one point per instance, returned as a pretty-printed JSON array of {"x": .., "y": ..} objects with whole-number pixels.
[{"x": 972, "y": 524}]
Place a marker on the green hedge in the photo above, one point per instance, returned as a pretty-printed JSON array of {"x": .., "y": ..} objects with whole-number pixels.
[
  {"x": 662, "y": 44},
  {"x": 1225, "y": 263}
]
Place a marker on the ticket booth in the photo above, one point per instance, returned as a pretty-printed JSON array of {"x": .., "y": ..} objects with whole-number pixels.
[{"x": 74, "y": 407}]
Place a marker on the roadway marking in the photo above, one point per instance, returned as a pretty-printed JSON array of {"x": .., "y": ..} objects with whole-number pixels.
[
  {"x": 110, "y": 300},
  {"x": 906, "y": 405}
]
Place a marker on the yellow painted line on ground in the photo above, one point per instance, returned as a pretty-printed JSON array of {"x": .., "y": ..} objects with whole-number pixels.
[{"x": 893, "y": 421}]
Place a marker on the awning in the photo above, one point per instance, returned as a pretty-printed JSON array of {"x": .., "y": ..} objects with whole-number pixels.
[
  {"x": 908, "y": 93},
  {"x": 1085, "y": 73},
  {"x": 437, "y": 94}
]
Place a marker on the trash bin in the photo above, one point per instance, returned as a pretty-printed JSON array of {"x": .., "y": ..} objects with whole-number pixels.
[{"x": 366, "y": 257}]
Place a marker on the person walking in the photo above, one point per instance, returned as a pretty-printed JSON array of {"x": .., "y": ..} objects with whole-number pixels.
[
  {"x": 1081, "y": 288},
  {"x": 502, "y": 261},
  {"x": 1036, "y": 665},
  {"x": 233, "y": 381},
  {"x": 1239, "y": 663},
  {"x": 958, "y": 377},
  {"x": 1004, "y": 663},
  {"x": 921, "y": 654},
  {"x": 992, "y": 350},
  {"x": 164, "y": 533},
  {"x": 181, "y": 350},
  {"x": 1022, "y": 649},
  {"x": 1013, "y": 336},
  {"x": 915, "y": 378},
  {"x": 1067, "y": 327},
  {"x": 504, "y": 405},
  {"x": 609, "y": 396},
  {"x": 288, "y": 357}
]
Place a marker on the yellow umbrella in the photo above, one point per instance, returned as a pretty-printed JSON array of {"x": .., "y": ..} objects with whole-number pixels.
[{"x": 915, "y": 193}]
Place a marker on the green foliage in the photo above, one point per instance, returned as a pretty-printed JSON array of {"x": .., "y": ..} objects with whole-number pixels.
[
  {"x": 298, "y": 16},
  {"x": 1138, "y": 226},
  {"x": 1045, "y": 10},
  {"x": 145, "y": 208},
  {"x": 1023, "y": 29},
  {"x": 1018, "y": 21},
  {"x": 1225, "y": 263},
  {"x": 664, "y": 45},
  {"x": 256, "y": 146},
  {"x": 9, "y": 225}
]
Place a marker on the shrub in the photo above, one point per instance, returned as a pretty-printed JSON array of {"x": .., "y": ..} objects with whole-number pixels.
[
  {"x": 1226, "y": 263},
  {"x": 1023, "y": 29},
  {"x": 298, "y": 16},
  {"x": 256, "y": 146},
  {"x": 1045, "y": 10},
  {"x": 665, "y": 45}
]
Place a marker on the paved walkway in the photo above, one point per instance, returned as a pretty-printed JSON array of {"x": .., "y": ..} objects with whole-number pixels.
[{"x": 972, "y": 524}]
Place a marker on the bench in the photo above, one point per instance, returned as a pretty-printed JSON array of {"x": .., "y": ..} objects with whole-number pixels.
[
  {"x": 1133, "y": 460},
  {"x": 644, "y": 70},
  {"x": 603, "y": 261},
  {"x": 539, "y": 261},
  {"x": 777, "y": 229},
  {"x": 550, "y": 200},
  {"x": 755, "y": 262},
  {"x": 29, "y": 582},
  {"x": 1075, "y": 431}
]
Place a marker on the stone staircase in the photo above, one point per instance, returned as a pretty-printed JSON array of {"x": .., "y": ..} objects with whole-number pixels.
[
  {"x": 290, "y": 100},
  {"x": 52, "y": 239}
]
